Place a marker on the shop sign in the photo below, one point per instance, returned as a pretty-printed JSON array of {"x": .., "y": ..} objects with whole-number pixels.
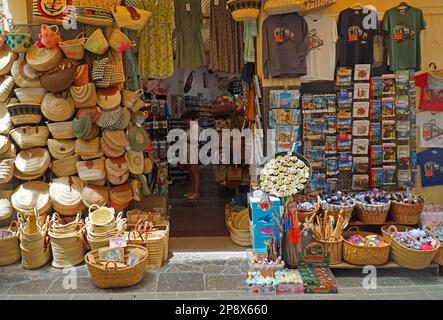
[{"x": 313, "y": 5}]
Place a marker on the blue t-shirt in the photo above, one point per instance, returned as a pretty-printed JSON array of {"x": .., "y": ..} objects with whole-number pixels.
[{"x": 431, "y": 162}]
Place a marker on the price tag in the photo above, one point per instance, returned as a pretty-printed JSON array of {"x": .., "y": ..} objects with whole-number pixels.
[
  {"x": 117, "y": 242},
  {"x": 188, "y": 7}
]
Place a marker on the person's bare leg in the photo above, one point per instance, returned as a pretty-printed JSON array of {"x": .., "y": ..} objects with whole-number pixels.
[
  {"x": 193, "y": 169},
  {"x": 191, "y": 178}
]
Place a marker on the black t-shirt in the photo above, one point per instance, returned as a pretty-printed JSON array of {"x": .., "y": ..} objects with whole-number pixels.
[{"x": 356, "y": 43}]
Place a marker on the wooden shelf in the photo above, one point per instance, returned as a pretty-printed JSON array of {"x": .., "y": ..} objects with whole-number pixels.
[{"x": 389, "y": 265}]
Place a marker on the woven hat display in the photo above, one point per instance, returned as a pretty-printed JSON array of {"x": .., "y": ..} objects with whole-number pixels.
[
  {"x": 93, "y": 133},
  {"x": 5, "y": 144},
  {"x": 148, "y": 165},
  {"x": 65, "y": 167},
  {"x": 84, "y": 96},
  {"x": 61, "y": 76},
  {"x": 7, "y": 59},
  {"x": 65, "y": 194},
  {"x": 30, "y": 95},
  {"x": 81, "y": 127},
  {"x": 92, "y": 194},
  {"x": 132, "y": 100},
  {"x": 10, "y": 153},
  {"x": 24, "y": 75},
  {"x": 91, "y": 170},
  {"x": 111, "y": 120},
  {"x": 109, "y": 98},
  {"x": 82, "y": 77},
  {"x": 118, "y": 180},
  {"x": 61, "y": 130},
  {"x": 56, "y": 107},
  {"x": 32, "y": 195},
  {"x": 87, "y": 147},
  {"x": 121, "y": 195},
  {"x": 110, "y": 152},
  {"x": 24, "y": 113},
  {"x": 28, "y": 137},
  {"x": 115, "y": 139},
  {"x": 135, "y": 161},
  {"x": 97, "y": 42},
  {"x": 5, "y": 119},
  {"x": 93, "y": 112},
  {"x": 6, "y": 209},
  {"x": 6, "y": 86},
  {"x": 136, "y": 189},
  {"x": 6, "y": 170},
  {"x": 61, "y": 149},
  {"x": 43, "y": 59},
  {"x": 126, "y": 119},
  {"x": 116, "y": 167},
  {"x": 138, "y": 138},
  {"x": 32, "y": 162}
]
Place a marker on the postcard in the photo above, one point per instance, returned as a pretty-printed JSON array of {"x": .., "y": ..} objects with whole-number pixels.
[
  {"x": 375, "y": 134},
  {"x": 361, "y": 91},
  {"x": 403, "y": 130},
  {"x": 402, "y": 105},
  {"x": 388, "y": 84},
  {"x": 388, "y": 105},
  {"x": 360, "y": 165},
  {"x": 389, "y": 175},
  {"x": 376, "y": 110},
  {"x": 331, "y": 166},
  {"x": 307, "y": 102},
  {"x": 344, "y": 161},
  {"x": 331, "y": 144},
  {"x": 360, "y": 182},
  {"x": 389, "y": 152},
  {"x": 344, "y": 77},
  {"x": 376, "y": 177},
  {"x": 362, "y": 72},
  {"x": 361, "y": 109},
  {"x": 388, "y": 130},
  {"x": 344, "y": 142},
  {"x": 284, "y": 117},
  {"x": 376, "y": 86},
  {"x": 345, "y": 98},
  {"x": 360, "y": 146},
  {"x": 404, "y": 179},
  {"x": 376, "y": 155},
  {"x": 360, "y": 128},
  {"x": 403, "y": 155}
]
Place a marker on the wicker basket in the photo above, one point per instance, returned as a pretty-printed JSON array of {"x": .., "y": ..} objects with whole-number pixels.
[
  {"x": 9, "y": 245},
  {"x": 305, "y": 216},
  {"x": 405, "y": 213},
  {"x": 155, "y": 243},
  {"x": 334, "y": 249},
  {"x": 166, "y": 224},
  {"x": 336, "y": 210},
  {"x": 358, "y": 255},
  {"x": 109, "y": 276},
  {"x": 409, "y": 258},
  {"x": 372, "y": 213},
  {"x": 102, "y": 219}
]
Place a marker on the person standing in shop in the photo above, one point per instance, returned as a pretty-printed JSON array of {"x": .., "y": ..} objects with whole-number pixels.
[{"x": 194, "y": 175}]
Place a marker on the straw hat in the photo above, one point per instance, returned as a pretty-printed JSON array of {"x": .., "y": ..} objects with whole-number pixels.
[
  {"x": 87, "y": 147},
  {"x": 138, "y": 138},
  {"x": 32, "y": 195},
  {"x": 93, "y": 194},
  {"x": 6, "y": 209},
  {"x": 117, "y": 166},
  {"x": 110, "y": 152},
  {"x": 24, "y": 75},
  {"x": 28, "y": 137},
  {"x": 33, "y": 162},
  {"x": 30, "y": 95},
  {"x": 109, "y": 98},
  {"x": 5, "y": 119},
  {"x": 81, "y": 127},
  {"x": 91, "y": 170},
  {"x": 55, "y": 107},
  {"x": 135, "y": 161},
  {"x": 65, "y": 167},
  {"x": 61, "y": 130},
  {"x": 148, "y": 165},
  {"x": 61, "y": 149},
  {"x": 6, "y": 170},
  {"x": 84, "y": 96},
  {"x": 65, "y": 194},
  {"x": 43, "y": 59},
  {"x": 24, "y": 113},
  {"x": 93, "y": 112},
  {"x": 101, "y": 182},
  {"x": 121, "y": 195},
  {"x": 115, "y": 139},
  {"x": 7, "y": 59}
]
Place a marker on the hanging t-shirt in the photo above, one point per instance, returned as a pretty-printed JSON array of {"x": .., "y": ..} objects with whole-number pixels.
[
  {"x": 356, "y": 43},
  {"x": 402, "y": 28},
  {"x": 285, "y": 46},
  {"x": 431, "y": 91},
  {"x": 431, "y": 162},
  {"x": 322, "y": 39}
]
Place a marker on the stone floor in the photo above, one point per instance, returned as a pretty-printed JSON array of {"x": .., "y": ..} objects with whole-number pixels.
[{"x": 209, "y": 275}]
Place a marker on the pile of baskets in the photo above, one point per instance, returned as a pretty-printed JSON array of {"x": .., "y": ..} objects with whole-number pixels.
[
  {"x": 372, "y": 213},
  {"x": 364, "y": 255},
  {"x": 237, "y": 223},
  {"x": 67, "y": 241},
  {"x": 102, "y": 225},
  {"x": 408, "y": 257},
  {"x": 112, "y": 276}
]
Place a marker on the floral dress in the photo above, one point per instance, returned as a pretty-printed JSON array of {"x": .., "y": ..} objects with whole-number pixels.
[{"x": 156, "y": 58}]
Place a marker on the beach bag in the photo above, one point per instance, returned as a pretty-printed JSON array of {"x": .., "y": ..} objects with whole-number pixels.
[
  {"x": 119, "y": 41},
  {"x": 91, "y": 170},
  {"x": 49, "y": 36},
  {"x": 131, "y": 17},
  {"x": 75, "y": 48},
  {"x": 61, "y": 77},
  {"x": 84, "y": 96},
  {"x": 43, "y": 59},
  {"x": 97, "y": 43}
]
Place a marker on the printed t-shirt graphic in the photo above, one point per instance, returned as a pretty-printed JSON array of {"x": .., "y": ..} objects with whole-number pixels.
[
  {"x": 283, "y": 35},
  {"x": 431, "y": 162},
  {"x": 431, "y": 97}
]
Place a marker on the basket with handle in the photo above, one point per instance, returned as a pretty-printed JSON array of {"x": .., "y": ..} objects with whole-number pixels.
[
  {"x": 439, "y": 255},
  {"x": 334, "y": 249},
  {"x": 155, "y": 239},
  {"x": 101, "y": 219},
  {"x": 364, "y": 255},
  {"x": 9, "y": 244},
  {"x": 305, "y": 216},
  {"x": 75, "y": 48},
  {"x": 405, "y": 213},
  {"x": 336, "y": 210},
  {"x": 407, "y": 257},
  {"x": 110, "y": 276},
  {"x": 372, "y": 213}
]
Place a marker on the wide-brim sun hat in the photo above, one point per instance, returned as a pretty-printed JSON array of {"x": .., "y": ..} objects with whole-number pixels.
[
  {"x": 30, "y": 196},
  {"x": 56, "y": 107},
  {"x": 95, "y": 195}
]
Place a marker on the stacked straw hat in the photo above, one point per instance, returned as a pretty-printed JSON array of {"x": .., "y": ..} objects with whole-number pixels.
[
  {"x": 117, "y": 170},
  {"x": 65, "y": 194},
  {"x": 32, "y": 195},
  {"x": 31, "y": 164}
]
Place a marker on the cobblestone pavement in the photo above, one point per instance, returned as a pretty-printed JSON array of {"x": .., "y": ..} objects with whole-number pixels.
[{"x": 218, "y": 275}]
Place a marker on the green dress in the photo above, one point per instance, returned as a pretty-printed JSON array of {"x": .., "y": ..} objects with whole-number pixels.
[{"x": 190, "y": 52}]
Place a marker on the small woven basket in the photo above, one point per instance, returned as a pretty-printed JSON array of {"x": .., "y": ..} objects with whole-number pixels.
[
  {"x": 363, "y": 255},
  {"x": 372, "y": 213},
  {"x": 334, "y": 249},
  {"x": 336, "y": 210},
  {"x": 109, "y": 276},
  {"x": 9, "y": 245},
  {"x": 405, "y": 213},
  {"x": 75, "y": 48}
]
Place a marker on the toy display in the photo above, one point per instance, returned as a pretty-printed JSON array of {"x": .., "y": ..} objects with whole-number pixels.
[{"x": 368, "y": 241}]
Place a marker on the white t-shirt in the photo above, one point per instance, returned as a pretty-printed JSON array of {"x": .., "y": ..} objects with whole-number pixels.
[{"x": 322, "y": 40}]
